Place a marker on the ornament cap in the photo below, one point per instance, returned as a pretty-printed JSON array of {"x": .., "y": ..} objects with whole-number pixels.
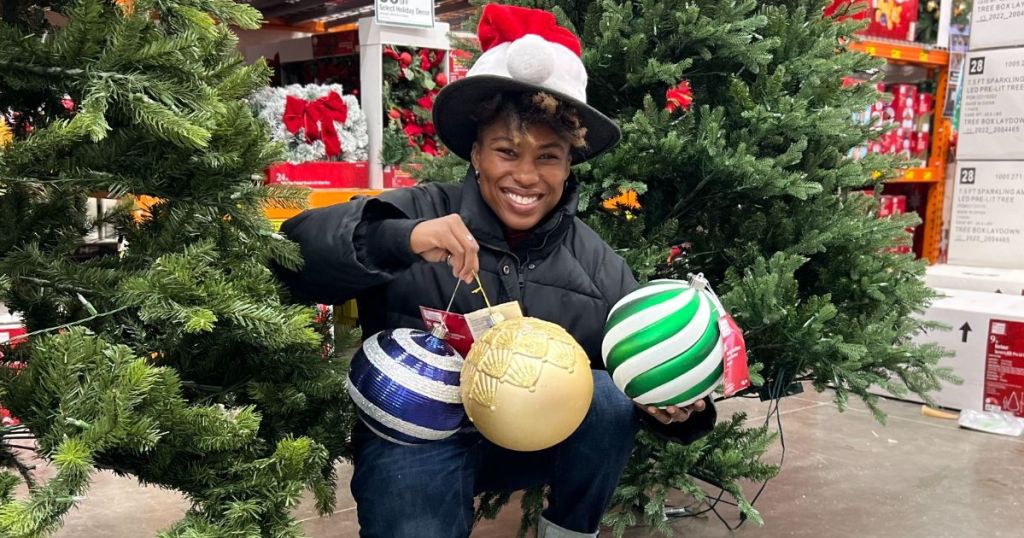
[
  {"x": 439, "y": 331},
  {"x": 496, "y": 318},
  {"x": 698, "y": 282}
]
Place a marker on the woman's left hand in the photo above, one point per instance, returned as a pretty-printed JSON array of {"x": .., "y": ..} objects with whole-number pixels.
[{"x": 673, "y": 414}]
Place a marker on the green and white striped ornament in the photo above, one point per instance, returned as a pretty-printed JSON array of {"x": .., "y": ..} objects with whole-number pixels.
[{"x": 662, "y": 345}]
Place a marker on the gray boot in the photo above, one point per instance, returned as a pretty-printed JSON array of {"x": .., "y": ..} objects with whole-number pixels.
[{"x": 547, "y": 529}]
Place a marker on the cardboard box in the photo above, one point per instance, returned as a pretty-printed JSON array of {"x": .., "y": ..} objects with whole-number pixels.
[
  {"x": 996, "y": 23},
  {"x": 891, "y": 19},
  {"x": 992, "y": 109},
  {"x": 987, "y": 279},
  {"x": 987, "y": 227},
  {"x": 976, "y": 317}
]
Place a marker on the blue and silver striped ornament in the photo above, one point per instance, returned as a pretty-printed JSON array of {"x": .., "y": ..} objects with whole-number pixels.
[{"x": 405, "y": 384}]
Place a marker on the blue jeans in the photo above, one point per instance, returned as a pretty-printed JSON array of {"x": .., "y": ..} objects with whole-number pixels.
[{"x": 427, "y": 491}]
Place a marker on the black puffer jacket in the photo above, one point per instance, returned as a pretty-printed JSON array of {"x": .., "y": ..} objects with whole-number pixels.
[{"x": 563, "y": 273}]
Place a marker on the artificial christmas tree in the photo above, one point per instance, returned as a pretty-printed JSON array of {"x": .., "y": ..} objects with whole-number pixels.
[
  {"x": 187, "y": 368},
  {"x": 173, "y": 359},
  {"x": 736, "y": 135}
]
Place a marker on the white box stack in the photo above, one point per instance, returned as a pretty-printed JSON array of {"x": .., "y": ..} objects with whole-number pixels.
[{"x": 983, "y": 285}]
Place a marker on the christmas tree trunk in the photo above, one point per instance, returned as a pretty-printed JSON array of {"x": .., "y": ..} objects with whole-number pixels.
[{"x": 177, "y": 361}]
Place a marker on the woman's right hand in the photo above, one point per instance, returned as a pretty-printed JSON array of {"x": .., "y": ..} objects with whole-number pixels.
[{"x": 447, "y": 239}]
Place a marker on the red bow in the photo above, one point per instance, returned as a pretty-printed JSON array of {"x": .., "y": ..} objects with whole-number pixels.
[
  {"x": 679, "y": 97},
  {"x": 505, "y": 24},
  {"x": 314, "y": 116}
]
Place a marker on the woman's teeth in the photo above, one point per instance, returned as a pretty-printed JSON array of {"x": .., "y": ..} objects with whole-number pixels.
[{"x": 521, "y": 199}]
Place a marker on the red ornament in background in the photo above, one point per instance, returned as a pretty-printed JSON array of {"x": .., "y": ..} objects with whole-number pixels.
[
  {"x": 427, "y": 101},
  {"x": 679, "y": 97},
  {"x": 413, "y": 129},
  {"x": 413, "y": 89},
  {"x": 6, "y": 420},
  {"x": 317, "y": 119}
]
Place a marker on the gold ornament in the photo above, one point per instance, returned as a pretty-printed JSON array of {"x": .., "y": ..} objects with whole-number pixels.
[{"x": 526, "y": 384}]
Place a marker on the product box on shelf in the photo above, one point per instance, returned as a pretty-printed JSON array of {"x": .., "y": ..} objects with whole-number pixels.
[
  {"x": 987, "y": 227},
  {"x": 891, "y": 205},
  {"x": 987, "y": 342},
  {"x": 906, "y": 111},
  {"x": 10, "y": 326},
  {"x": 987, "y": 279},
  {"x": 992, "y": 108},
  {"x": 336, "y": 44},
  {"x": 996, "y": 23},
  {"x": 891, "y": 19},
  {"x": 321, "y": 174}
]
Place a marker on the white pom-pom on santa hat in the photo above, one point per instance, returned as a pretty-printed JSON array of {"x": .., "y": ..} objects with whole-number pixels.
[
  {"x": 530, "y": 59},
  {"x": 528, "y": 46}
]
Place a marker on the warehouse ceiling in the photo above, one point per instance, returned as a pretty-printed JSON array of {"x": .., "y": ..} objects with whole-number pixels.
[{"x": 333, "y": 13}]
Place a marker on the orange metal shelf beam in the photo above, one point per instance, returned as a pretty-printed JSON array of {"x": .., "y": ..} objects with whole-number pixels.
[
  {"x": 919, "y": 175},
  {"x": 902, "y": 52},
  {"x": 319, "y": 198}
]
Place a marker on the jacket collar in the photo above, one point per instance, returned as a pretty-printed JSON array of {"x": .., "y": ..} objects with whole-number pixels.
[{"x": 488, "y": 230}]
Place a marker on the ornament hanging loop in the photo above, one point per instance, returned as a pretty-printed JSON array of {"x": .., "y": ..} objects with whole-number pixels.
[
  {"x": 495, "y": 316},
  {"x": 699, "y": 283}
]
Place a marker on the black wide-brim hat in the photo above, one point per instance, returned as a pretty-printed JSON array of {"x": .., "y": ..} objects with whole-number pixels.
[{"x": 525, "y": 51}]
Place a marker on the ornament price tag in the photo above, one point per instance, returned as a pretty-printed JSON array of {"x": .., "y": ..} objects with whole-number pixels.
[
  {"x": 735, "y": 372},
  {"x": 735, "y": 375},
  {"x": 485, "y": 318},
  {"x": 459, "y": 335}
]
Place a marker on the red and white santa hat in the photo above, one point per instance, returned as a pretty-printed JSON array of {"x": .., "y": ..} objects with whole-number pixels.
[{"x": 525, "y": 50}]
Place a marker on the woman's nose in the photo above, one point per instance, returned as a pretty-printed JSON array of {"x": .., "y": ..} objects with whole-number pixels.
[{"x": 526, "y": 172}]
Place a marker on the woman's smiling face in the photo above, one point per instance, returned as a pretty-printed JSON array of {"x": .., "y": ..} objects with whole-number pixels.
[{"x": 522, "y": 174}]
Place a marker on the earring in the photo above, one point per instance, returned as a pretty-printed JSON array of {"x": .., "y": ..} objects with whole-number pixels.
[{"x": 477, "y": 172}]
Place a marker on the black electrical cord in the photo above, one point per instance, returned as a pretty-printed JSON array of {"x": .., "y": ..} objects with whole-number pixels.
[{"x": 773, "y": 409}]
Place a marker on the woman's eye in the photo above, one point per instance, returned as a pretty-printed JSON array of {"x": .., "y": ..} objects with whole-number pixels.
[{"x": 507, "y": 152}]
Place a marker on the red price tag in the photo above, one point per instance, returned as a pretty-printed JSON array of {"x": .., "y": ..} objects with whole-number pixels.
[
  {"x": 736, "y": 375},
  {"x": 459, "y": 335}
]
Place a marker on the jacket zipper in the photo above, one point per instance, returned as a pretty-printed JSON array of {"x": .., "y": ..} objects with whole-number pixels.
[
  {"x": 544, "y": 243},
  {"x": 520, "y": 265}
]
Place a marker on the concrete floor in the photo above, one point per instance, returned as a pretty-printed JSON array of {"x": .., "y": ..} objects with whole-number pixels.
[{"x": 845, "y": 475}]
